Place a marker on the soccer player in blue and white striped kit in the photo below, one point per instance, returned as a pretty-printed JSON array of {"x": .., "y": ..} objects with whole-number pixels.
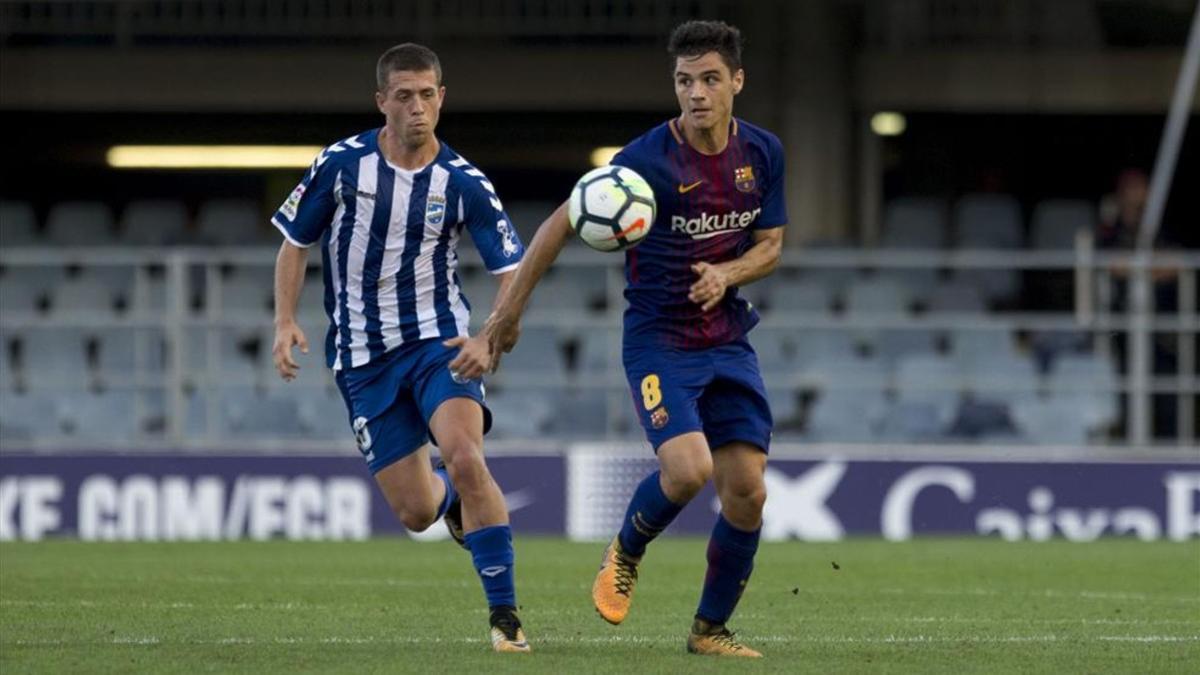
[{"x": 387, "y": 208}]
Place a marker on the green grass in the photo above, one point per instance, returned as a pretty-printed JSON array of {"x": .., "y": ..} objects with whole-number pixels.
[{"x": 394, "y": 605}]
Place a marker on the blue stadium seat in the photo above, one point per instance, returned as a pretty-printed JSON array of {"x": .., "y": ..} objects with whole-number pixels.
[
  {"x": 519, "y": 413},
  {"x": 80, "y": 224},
  {"x": 124, "y": 351},
  {"x": 817, "y": 345},
  {"x": 537, "y": 358},
  {"x": 1050, "y": 421},
  {"x": 914, "y": 223},
  {"x": 321, "y": 412},
  {"x": 955, "y": 298},
  {"x": 229, "y": 222},
  {"x": 928, "y": 389},
  {"x": 18, "y": 224},
  {"x": 876, "y": 296},
  {"x": 970, "y": 345},
  {"x": 581, "y": 413},
  {"x": 103, "y": 416},
  {"x": 248, "y": 411},
  {"x": 83, "y": 296},
  {"x": 1002, "y": 378},
  {"x": 775, "y": 350},
  {"x": 798, "y": 296},
  {"x": 1089, "y": 383},
  {"x": 845, "y": 417},
  {"x": 598, "y": 352},
  {"x": 154, "y": 222},
  {"x": 989, "y": 222},
  {"x": 1055, "y": 222},
  {"x": 18, "y": 295},
  {"x": 55, "y": 359}
]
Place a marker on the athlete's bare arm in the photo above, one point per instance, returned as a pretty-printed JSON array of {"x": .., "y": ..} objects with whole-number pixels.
[
  {"x": 503, "y": 326},
  {"x": 754, "y": 264},
  {"x": 289, "y": 278}
]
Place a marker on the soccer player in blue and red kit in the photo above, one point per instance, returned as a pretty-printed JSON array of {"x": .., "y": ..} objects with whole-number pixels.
[
  {"x": 387, "y": 208},
  {"x": 718, "y": 183}
]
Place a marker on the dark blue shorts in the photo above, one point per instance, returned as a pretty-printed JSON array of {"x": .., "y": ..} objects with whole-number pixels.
[
  {"x": 718, "y": 391},
  {"x": 391, "y": 399}
]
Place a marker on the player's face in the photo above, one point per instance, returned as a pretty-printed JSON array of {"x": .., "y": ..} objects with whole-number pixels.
[
  {"x": 705, "y": 88},
  {"x": 411, "y": 104}
]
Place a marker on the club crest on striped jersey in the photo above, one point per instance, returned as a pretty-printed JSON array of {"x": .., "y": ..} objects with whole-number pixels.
[
  {"x": 435, "y": 209},
  {"x": 743, "y": 178}
]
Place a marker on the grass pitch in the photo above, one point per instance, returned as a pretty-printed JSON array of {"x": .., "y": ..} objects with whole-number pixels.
[{"x": 394, "y": 605}]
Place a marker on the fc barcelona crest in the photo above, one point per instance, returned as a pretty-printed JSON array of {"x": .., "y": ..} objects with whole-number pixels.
[
  {"x": 435, "y": 210},
  {"x": 743, "y": 178}
]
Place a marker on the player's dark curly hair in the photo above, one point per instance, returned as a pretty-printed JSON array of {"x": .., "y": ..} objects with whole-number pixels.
[
  {"x": 408, "y": 56},
  {"x": 696, "y": 38}
]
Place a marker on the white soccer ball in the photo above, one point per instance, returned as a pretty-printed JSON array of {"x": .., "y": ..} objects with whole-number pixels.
[{"x": 611, "y": 208}]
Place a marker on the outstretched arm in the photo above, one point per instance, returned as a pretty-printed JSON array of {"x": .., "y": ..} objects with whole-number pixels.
[
  {"x": 289, "y": 278},
  {"x": 474, "y": 357},
  {"x": 756, "y": 263},
  {"x": 503, "y": 326}
]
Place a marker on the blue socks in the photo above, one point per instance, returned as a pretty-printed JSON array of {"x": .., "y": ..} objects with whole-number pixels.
[
  {"x": 492, "y": 551},
  {"x": 649, "y": 513},
  {"x": 451, "y": 493},
  {"x": 730, "y": 561}
]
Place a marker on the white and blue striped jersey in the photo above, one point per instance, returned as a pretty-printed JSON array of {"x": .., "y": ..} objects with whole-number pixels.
[{"x": 388, "y": 240}]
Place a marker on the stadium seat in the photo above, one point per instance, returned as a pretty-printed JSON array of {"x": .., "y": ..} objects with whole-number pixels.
[
  {"x": 1088, "y": 382},
  {"x": 598, "y": 353},
  {"x": 954, "y": 298},
  {"x": 560, "y": 296},
  {"x": 248, "y": 291},
  {"x": 321, "y": 412},
  {"x": 83, "y": 296},
  {"x": 928, "y": 389},
  {"x": 18, "y": 225},
  {"x": 581, "y": 413},
  {"x": 876, "y": 296},
  {"x": 799, "y": 296},
  {"x": 970, "y": 345},
  {"x": 229, "y": 222},
  {"x": 18, "y": 295},
  {"x": 1050, "y": 421},
  {"x": 817, "y": 345},
  {"x": 893, "y": 345},
  {"x": 108, "y": 415},
  {"x": 989, "y": 222},
  {"x": 1055, "y": 222},
  {"x": 775, "y": 350},
  {"x": 25, "y": 415},
  {"x": 914, "y": 223},
  {"x": 154, "y": 222},
  {"x": 247, "y": 411},
  {"x": 538, "y": 358},
  {"x": 124, "y": 352},
  {"x": 518, "y": 413},
  {"x": 845, "y": 416},
  {"x": 1002, "y": 378},
  {"x": 80, "y": 224},
  {"x": 55, "y": 359},
  {"x": 527, "y": 216}
]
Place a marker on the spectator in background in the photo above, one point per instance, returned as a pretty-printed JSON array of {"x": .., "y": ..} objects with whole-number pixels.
[{"x": 1120, "y": 220}]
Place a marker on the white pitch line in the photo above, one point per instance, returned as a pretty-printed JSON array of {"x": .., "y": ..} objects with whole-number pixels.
[{"x": 778, "y": 639}]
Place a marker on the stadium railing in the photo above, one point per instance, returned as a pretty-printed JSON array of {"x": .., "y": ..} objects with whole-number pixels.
[{"x": 200, "y": 377}]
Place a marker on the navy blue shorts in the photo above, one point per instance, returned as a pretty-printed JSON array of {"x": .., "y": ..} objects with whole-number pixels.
[
  {"x": 718, "y": 391},
  {"x": 391, "y": 399}
]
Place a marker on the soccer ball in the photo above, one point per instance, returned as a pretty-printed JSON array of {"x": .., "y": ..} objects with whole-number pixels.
[{"x": 611, "y": 208}]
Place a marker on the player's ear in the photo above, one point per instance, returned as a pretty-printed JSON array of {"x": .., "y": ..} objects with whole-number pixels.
[
  {"x": 739, "y": 81},
  {"x": 441, "y": 94},
  {"x": 380, "y": 97}
]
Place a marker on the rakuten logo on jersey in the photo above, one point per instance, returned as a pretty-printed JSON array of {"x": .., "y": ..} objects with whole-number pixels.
[{"x": 705, "y": 225}]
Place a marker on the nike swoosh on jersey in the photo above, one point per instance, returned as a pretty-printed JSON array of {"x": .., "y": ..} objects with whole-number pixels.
[{"x": 688, "y": 188}]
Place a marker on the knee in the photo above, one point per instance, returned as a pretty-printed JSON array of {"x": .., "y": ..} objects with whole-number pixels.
[
  {"x": 745, "y": 497},
  {"x": 415, "y": 519},
  {"x": 464, "y": 464},
  {"x": 681, "y": 483}
]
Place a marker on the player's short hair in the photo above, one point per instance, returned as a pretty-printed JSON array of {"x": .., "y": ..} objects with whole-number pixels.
[
  {"x": 408, "y": 56},
  {"x": 696, "y": 38}
]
